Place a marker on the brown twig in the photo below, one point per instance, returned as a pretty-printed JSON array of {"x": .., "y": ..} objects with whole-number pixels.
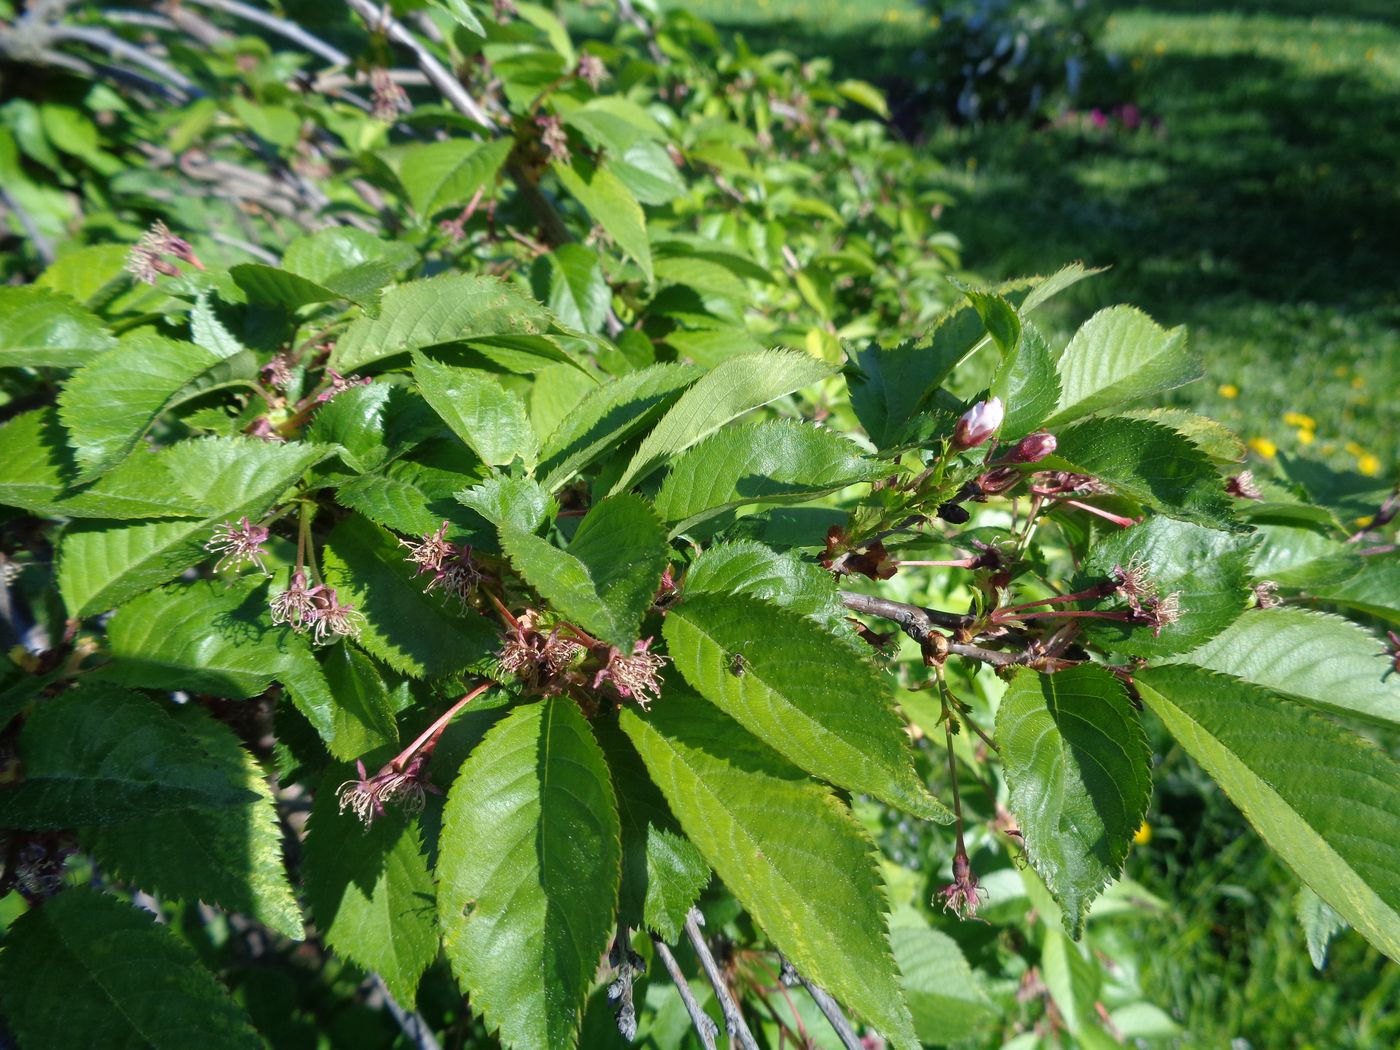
[{"x": 704, "y": 1025}]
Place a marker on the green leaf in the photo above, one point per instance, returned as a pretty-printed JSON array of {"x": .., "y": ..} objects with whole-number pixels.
[
  {"x": 1208, "y": 570},
  {"x": 607, "y": 578},
  {"x": 1028, "y": 383},
  {"x": 1151, "y": 463},
  {"x": 272, "y": 284},
  {"x": 608, "y": 415},
  {"x": 43, "y": 329},
  {"x": 231, "y": 857},
  {"x": 370, "y": 891},
  {"x": 1327, "y": 801},
  {"x": 779, "y": 461},
  {"x": 509, "y": 502},
  {"x": 89, "y": 970},
  {"x": 1216, "y": 440},
  {"x": 438, "y": 175},
  {"x": 785, "y": 579},
  {"x": 102, "y": 565},
  {"x": 944, "y": 997},
  {"x": 1120, "y": 354},
  {"x": 1078, "y": 770},
  {"x": 372, "y": 423},
  {"x": 452, "y": 308},
  {"x": 411, "y": 495},
  {"x": 819, "y": 704},
  {"x": 569, "y": 280},
  {"x": 1314, "y": 657},
  {"x": 1367, "y": 584},
  {"x": 1320, "y": 923},
  {"x": 528, "y": 872},
  {"x": 776, "y": 838},
  {"x": 887, "y": 386},
  {"x": 416, "y": 633},
  {"x": 612, "y": 205},
  {"x": 492, "y": 420},
  {"x": 346, "y": 260},
  {"x": 730, "y": 389},
  {"x": 865, "y": 93},
  {"x": 110, "y": 403},
  {"x": 99, "y": 754},
  {"x": 662, "y": 871},
  {"x": 463, "y": 14}
]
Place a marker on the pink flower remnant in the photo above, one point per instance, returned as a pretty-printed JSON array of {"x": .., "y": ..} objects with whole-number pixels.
[
  {"x": 453, "y": 569},
  {"x": 238, "y": 543},
  {"x": 316, "y": 609},
  {"x": 636, "y": 677},
  {"x": 147, "y": 259}
]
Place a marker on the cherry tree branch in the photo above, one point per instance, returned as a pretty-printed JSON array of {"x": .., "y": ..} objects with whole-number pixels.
[
  {"x": 701, "y": 1020},
  {"x": 283, "y": 28},
  {"x": 920, "y": 624},
  {"x": 832, "y": 1011},
  {"x": 733, "y": 1020}
]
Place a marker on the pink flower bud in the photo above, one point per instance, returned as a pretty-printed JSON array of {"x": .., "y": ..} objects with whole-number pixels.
[
  {"x": 1033, "y": 448},
  {"x": 978, "y": 423}
]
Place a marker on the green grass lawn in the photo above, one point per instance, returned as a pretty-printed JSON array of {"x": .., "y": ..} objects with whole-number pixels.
[{"x": 1261, "y": 211}]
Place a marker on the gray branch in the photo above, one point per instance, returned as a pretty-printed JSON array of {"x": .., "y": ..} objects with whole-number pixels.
[
  {"x": 701, "y": 1020},
  {"x": 118, "y": 48},
  {"x": 410, "y": 1022},
  {"x": 441, "y": 77},
  {"x": 920, "y": 624},
  {"x": 733, "y": 1019},
  {"x": 831, "y": 1010},
  {"x": 288, "y": 30}
]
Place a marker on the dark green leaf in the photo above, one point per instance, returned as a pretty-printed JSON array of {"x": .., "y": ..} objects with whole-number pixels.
[
  {"x": 489, "y": 418},
  {"x": 607, "y": 578},
  {"x": 102, "y": 565},
  {"x": 231, "y": 857},
  {"x": 569, "y": 280},
  {"x": 43, "y": 329},
  {"x": 775, "y": 838},
  {"x": 889, "y": 385},
  {"x": 438, "y": 175},
  {"x": 1149, "y": 462},
  {"x": 89, "y": 970},
  {"x": 416, "y": 633},
  {"x": 1078, "y": 769},
  {"x": 608, "y": 415},
  {"x": 1207, "y": 570},
  {"x": 100, "y": 754},
  {"x": 110, "y": 403},
  {"x": 446, "y": 309},
  {"x": 528, "y": 873},
  {"x": 748, "y": 567},
  {"x": 662, "y": 871},
  {"x": 779, "y": 461},
  {"x": 729, "y": 390},
  {"x": 819, "y": 704},
  {"x": 1028, "y": 384},
  {"x": 509, "y": 502},
  {"x": 611, "y": 204},
  {"x": 370, "y": 891}
]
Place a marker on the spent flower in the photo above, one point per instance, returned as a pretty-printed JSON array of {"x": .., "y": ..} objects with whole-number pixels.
[
  {"x": 239, "y": 543},
  {"x": 636, "y": 677}
]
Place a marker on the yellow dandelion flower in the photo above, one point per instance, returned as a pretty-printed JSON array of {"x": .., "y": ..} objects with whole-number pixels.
[
  {"x": 1298, "y": 419},
  {"x": 1305, "y": 436},
  {"x": 1368, "y": 464},
  {"x": 1354, "y": 448},
  {"x": 1143, "y": 835},
  {"x": 1264, "y": 447},
  {"x": 1357, "y": 382},
  {"x": 1364, "y": 521},
  {"x": 1228, "y": 391}
]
